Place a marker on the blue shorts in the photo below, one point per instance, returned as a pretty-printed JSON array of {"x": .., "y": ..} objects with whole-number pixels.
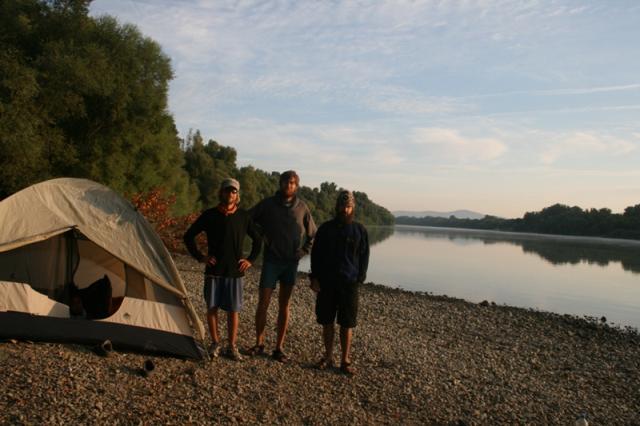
[
  {"x": 284, "y": 272},
  {"x": 223, "y": 292}
]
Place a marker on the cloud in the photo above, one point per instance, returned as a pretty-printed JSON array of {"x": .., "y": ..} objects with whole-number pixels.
[
  {"x": 316, "y": 146},
  {"x": 369, "y": 92},
  {"x": 585, "y": 144},
  {"x": 451, "y": 145},
  {"x": 375, "y": 58},
  {"x": 406, "y": 102},
  {"x": 561, "y": 92}
]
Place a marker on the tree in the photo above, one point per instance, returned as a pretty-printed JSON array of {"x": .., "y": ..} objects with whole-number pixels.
[
  {"x": 208, "y": 165},
  {"x": 256, "y": 184},
  {"x": 84, "y": 97},
  {"x": 632, "y": 211}
]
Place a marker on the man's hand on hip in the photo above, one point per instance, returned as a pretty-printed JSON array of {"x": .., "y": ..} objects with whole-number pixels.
[
  {"x": 243, "y": 265},
  {"x": 315, "y": 284}
]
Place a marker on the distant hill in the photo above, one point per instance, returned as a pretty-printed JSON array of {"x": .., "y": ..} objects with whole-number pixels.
[{"x": 460, "y": 214}]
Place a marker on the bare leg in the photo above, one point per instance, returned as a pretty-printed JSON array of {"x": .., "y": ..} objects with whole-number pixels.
[
  {"x": 264, "y": 298},
  {"x": 212, "y": 320},
  {"x": 284, "y": 297},
  {"x": 232, "y": 327},
  {"x": 328, "y": 332},
  {"x": 345, "y": 342}
]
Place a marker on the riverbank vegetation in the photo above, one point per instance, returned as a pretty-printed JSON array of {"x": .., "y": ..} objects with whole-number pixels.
[
  {"x": 88, "y": 97},
  {"x": 557, "y": 219}
]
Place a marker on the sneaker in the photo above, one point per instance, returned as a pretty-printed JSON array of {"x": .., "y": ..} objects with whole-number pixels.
[
  {"x": 233, "y": 353},
  {"x": 214, "y": 350},
  {"x": 256, "y": 350}
]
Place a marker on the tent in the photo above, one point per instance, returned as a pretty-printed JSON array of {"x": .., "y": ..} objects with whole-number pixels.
[{"x": 61, "y": 236}]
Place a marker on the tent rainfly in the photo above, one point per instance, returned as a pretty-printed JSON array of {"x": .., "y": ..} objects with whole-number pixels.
[{"x": 59, "y": 239}]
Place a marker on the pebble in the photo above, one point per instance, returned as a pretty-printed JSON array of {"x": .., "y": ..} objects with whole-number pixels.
[{"x": 421, "y": 359}]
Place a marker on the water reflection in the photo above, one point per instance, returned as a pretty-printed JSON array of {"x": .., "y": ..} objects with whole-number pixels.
[
  {"x": 377, "y": 234},
  {"x": 599, "y": 276},
  {"x": 557, "y": 250}
]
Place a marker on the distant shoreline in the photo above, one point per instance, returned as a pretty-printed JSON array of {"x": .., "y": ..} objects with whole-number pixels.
[
  {"x": 558, "y": 219},
  {"x": 533, "y": 235}
]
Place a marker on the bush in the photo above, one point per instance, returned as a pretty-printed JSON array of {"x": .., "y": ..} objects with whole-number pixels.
[{"x": 155, "y": 206}]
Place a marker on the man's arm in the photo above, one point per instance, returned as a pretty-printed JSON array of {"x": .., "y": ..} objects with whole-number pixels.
[
  {"x": 309, "y": 231},
  {"x": 256, "y": 241},
  {"x": 316, "y": 255},
  {"x": 190, "y": 238},
  {"x": 364, "y": 255}
]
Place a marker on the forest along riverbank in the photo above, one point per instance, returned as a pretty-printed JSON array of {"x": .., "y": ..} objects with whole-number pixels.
[{"x": 420, "y": 359}]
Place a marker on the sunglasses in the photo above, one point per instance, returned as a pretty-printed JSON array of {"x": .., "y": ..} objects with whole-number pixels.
[{"x": 231, "y": 190}]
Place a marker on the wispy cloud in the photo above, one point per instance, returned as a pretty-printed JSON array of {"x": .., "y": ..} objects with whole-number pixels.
[
  {"x": 579, "y": 144},
  {"x": 559, "y": 92},
  {"x": 359, "y": 90},
  {"x": 451, "y": 145}
]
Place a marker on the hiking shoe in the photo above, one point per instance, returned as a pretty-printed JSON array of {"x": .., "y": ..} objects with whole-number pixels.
[
  {"x": 214, "y": 350},
  {"x": 233, "y": 353},
  {"x": 347, "y": 369},
  {"x": 324, "y": 363},
  {"x": 280, "y": 356}
]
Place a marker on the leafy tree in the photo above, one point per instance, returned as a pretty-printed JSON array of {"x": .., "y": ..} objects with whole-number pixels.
[
  {"x": 256, "y": 184},
  {"x": 84, "y": 97},
  {"x": 208, "y": 165},
  {"x": 632, "y": 211}
]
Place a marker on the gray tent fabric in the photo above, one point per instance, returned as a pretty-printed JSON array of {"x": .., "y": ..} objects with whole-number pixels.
[{"x": 75, "y": 230}]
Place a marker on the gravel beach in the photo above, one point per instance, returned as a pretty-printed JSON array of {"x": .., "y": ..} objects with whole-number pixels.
[{"x": 420, "y": 359}]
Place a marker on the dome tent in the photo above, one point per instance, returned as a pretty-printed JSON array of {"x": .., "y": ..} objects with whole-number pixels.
[{"x": 67, "y": 233}]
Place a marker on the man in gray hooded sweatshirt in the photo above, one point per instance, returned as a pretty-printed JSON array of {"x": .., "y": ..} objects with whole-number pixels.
[{"x": 288, "y": 230}]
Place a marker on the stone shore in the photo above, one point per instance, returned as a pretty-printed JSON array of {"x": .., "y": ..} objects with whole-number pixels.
[{"x": 420, "y": 359}]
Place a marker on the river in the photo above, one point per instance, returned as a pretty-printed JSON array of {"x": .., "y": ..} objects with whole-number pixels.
[{"x": 581, "y": 276}]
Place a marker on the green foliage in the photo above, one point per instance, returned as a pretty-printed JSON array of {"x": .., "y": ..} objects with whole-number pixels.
[
  {"x": 556, "y": 219},
  {"x": 256, "y": 184},
  {"x": 84, "y": 97},
  {"x": 207, "y": 165}
]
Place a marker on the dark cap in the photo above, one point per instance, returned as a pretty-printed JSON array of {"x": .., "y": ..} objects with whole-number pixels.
[{"x": 345, "y": 198}]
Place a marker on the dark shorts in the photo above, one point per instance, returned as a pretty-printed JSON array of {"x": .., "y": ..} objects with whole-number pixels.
[
  {"x": 339, "y": 300},
  {"x": 223, "y": 292},
  {"x": 273, "y": 272}
]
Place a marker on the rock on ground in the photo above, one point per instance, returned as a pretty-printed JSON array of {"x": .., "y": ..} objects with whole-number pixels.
[{"x": 420, "y": 359}]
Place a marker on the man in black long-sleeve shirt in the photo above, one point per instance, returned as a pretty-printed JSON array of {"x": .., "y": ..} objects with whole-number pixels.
[
  {"x": 339, "y": 262},
  {"x": 226, "y": 227}
]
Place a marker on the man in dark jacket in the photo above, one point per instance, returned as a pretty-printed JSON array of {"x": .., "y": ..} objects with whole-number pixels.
[
  {"x": 226, "y": 227},
  {"x": 339, "y": 262},
  {"x": 288, "y": 236}
]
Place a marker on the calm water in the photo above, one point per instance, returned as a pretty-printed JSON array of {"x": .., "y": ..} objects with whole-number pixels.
[{"x": 574, "y": 275}]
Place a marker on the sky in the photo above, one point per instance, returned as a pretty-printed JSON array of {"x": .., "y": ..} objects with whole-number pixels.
[{"x": 500, "y": 107}]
